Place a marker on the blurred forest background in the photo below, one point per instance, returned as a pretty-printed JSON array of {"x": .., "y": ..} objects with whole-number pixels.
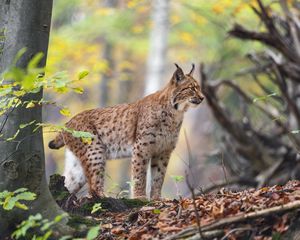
[{"x": 129, "y": 49}]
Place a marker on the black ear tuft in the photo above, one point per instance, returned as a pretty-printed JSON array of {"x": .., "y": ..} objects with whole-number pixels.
[
  {"x": 178, "y": 74},
  {"x": 192, "y": 70}
]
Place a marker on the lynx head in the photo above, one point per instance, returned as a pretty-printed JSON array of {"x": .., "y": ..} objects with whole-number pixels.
[{"x": 186, "y": 90}]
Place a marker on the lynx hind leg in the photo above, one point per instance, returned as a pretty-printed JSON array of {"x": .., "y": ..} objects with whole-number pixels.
[
  {"x": 74, "y": 174},
  {"x": 94, "y": 165}
]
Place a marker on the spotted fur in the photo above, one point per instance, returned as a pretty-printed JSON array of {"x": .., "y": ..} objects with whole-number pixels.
[{"x": 146, "y": 130}]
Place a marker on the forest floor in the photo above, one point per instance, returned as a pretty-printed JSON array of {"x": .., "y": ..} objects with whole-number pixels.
[{"x": 266, "y": 213}]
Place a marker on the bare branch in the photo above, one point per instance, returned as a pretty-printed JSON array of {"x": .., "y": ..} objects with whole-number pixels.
[
  {"x": 229, "y": 182},
  {"x": 220, "y": 224}
]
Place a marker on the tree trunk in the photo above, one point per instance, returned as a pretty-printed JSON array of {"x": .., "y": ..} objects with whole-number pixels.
[
  {"x": 107, "y": 54},
  {"x": 158, "y": 45},
  {"x": 22, "y": 162}
]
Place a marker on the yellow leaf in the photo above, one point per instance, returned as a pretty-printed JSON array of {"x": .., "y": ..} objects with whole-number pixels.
[
  {"x": 87, "y": 140},
  {"x": 132, "y": 3},
  {"x": 142, "y": 9},
  {"x": 137, "y": 29},
  {"x": 78, "y": 90},
  {"x": 19, "y": 93},
  {"x": 175, "y": 19},
  {"x": 62, "y": 90},
  {"x": 198, "y": 19},
  {"x": 30, "y": 105},
  {"x": 65, "y": 112},
  {"x": 218, "y": 9},
  {"x": 187, "y": 37}
]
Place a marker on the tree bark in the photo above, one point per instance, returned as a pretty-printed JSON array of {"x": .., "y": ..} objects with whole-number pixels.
[
  {"x": 158, "y": 45},
  {"x": 22, "y": 162},
  {"x": 107, "y": 54}
]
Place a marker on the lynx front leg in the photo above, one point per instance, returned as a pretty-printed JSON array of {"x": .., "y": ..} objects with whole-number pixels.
[
  {"x": 95, "y": 168},
  {"x": 158, "y": 171},
  {"x": 140, "y": 160}
]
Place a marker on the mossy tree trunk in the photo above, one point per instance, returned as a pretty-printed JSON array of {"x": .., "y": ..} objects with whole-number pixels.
[{"x": 24, "y": 23}]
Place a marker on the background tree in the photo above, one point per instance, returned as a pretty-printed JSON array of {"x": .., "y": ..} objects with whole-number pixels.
[
  {"x": 107, "y": 55},
  {"x": 22, "y": 162},
  {"x": 197, "y": 32},
  {"x": 260, "y": 141},
  {"x": 158, "y": 46}
]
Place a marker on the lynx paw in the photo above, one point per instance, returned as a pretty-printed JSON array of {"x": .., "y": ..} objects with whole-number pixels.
[{"x": 143, "y": 198}]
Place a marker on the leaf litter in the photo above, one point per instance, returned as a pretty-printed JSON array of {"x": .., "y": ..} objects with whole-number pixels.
[{"x": 225, "y": 214}]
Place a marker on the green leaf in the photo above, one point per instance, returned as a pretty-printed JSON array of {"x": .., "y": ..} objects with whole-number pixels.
[
  {"x": 21, "y": 206},
  {"x": 20, "y": 190},
  {"x": 58, "y": 218},
  {"x": 46, "y": 235},
  {"x": 4, "y": 194},
  {"x": 263, "y": 98},
  {"x": 78, "y": 90},
  {"x": 93, "y": 233},
  {"x": 65, "y": 112},
  {"x": 28, "y": 82},
  {"x": 62, "y": 90},
  {"x": 60, "y": 83},
  {"x": 46, "y": 225},
  {"x": 19, "y": 93},
  {"x": 9, "y": 203},
  {"x": 177, "y": 178},
  {"x": 83, "y": 74},
  {"x": 82, "y": 134},
  {"x": 156, "y": 211},
  {"x": 30, "y": 105},
  {"x": 5, "y": 90},
  {"x": 33, "y": 63},
  {"x": 28, "y": 196},
  {"x": 19, "y": 54},
  {"x": 15, "y": 74},
  {"x": 96, "y": 207}
]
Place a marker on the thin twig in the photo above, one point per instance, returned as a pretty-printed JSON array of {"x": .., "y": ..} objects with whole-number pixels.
[
  {"x": 224, "y": 168},
  {"x": 195, "y": 206},
  {"x": 235, "y": 230}
]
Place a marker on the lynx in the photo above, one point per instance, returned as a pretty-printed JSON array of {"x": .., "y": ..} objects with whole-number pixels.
[{"x": 146, "y": 130}]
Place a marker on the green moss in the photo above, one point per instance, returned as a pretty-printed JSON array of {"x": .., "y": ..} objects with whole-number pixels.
[
  {"x": 57, "y": 188},
  {"x": 113, "y": 205},
  {"x": 80, "y": 223},
  {"x": 134, "y": 203}
]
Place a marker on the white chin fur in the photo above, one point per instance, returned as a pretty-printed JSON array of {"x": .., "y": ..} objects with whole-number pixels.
[{"x": 193, "y": 105}]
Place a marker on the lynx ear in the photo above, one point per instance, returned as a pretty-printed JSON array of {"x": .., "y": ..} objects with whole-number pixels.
[
  {"x": 178, "y": 74},
  {"x": 192, "y": 70}
]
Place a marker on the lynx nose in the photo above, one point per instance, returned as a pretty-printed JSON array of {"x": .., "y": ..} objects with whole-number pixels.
[{"x": 197, "y": 100}]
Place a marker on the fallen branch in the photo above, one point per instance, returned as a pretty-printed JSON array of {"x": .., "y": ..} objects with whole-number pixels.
[
  {"x": 219, "y": 224},
  {"x": 220, "y": 184}
]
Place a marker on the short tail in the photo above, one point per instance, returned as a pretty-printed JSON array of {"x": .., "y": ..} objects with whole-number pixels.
[{"x": 57, "y": 143}]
